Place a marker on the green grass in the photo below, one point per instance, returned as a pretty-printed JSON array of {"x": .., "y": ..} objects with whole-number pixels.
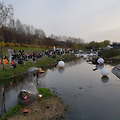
[
  {"x": 20, "y": 69},
  {"x": 44, "y": 63},
  {"x": 28, "y": 49},
  {"x": 45, "y": 92},
  {"x": 17, "y": 108},
  {"x": 13, "y": 111}
]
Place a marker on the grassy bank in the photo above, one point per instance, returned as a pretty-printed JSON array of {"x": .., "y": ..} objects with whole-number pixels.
[
  {"x": 26, "y": 49},
  {"x": 16, "y": 110},
  {"x": 111, "y": 56},
  {"x": 110, "y": 53},
  {"x": 44, "y": 63},
  {"x": 49, "y": 103}
]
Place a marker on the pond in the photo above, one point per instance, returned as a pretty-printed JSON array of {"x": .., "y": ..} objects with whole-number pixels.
[{"x": 80, "y": 85}]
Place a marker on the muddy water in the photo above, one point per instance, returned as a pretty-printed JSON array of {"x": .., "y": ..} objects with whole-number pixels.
[{"x": 80, "y": 85}]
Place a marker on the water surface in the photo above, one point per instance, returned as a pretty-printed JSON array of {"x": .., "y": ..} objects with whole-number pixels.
[
  {"x": 81, "y": 87},
  {"x": 89, "y": 96}
]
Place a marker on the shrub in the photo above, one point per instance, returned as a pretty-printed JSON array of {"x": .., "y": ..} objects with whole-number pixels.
[
  {"x": 8, "y": 44},
  {"x": 26, "y": 45},
  {"x": 16, "y": 45},
  {"x": 3, "y": 44},
  {"x": 109, "y": 53}
]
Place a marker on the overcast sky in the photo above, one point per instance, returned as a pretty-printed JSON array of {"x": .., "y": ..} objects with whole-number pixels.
[{"x": 90, "y": 20}]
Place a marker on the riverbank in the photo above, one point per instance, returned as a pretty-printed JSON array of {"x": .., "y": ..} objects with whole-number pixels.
[
  {"x": 44, "y": 63},
  {"x": 48, "y": 107},
  {"x": 111, "y": 56}
]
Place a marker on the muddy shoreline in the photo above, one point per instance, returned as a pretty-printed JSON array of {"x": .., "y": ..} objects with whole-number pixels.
[{"x": 50, "y": 108}]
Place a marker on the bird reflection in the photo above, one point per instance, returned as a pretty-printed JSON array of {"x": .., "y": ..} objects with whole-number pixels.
[
  {"x": 3, "y": 107},
  {"x": 100, "y": 67},
  {"x": 105, "y": 79}
]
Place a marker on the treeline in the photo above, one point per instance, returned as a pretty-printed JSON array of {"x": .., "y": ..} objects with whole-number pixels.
[
  {"x": 16, "y": 32},
  {"x": 97, "y": 45},
  {"x": 13, "y": 31}
]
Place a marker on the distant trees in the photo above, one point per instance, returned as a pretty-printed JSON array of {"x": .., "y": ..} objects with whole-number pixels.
[
  {"x": 15, "y": 31},
  {"x": 20, "y": 33},
  {"x": 108, "y": 53},
  {"x": 105, "y": 43},
  {"x": 66, "y": 38},
  {"x": 92, "y": 45},
  {"x": 72, "y": 42},
  {"x": 97, "y": 45}
]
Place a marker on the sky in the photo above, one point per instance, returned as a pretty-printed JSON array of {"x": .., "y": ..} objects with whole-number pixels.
[{"x": 90, "y": 20}]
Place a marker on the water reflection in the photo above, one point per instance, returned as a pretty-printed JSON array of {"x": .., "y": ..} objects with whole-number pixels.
[
  {"x": 73, "y": 63},
  {"x": 105, "y": 79},
  {"x": 61, "y": 70},
  {"x": 98, "y": 67},
  {"x": 82, "y": 90},
  {"x": 40, "y": 80},
  {"x": 9, "y": 92},
  {"x": 2, "y": 96}
]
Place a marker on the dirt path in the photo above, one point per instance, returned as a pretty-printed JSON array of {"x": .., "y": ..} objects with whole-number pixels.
[{"x": 47, "y": 109}]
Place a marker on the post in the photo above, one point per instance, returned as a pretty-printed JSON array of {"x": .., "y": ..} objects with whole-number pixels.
[{"x": 1, "y": 39}]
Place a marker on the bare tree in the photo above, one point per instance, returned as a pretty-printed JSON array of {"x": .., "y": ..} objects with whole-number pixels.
[
  {"x": 40, "y": 33},
  {"x": 6, "y": 14}
]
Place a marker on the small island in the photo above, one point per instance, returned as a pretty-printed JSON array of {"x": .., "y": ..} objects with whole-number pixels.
[{"x": 47, "y": 107}]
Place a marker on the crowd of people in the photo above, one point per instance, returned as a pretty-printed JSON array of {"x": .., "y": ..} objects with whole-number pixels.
[{"x": 18, "y": 57}]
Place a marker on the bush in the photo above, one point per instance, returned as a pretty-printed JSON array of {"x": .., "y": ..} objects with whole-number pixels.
[
  {"x": 26, "y": 45},
  {"x": 3, "y": 44},
  {"x": 16, "y": 45},
  {"x": 109, "y": 53},
  {"x": 8, "y": 44}
]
